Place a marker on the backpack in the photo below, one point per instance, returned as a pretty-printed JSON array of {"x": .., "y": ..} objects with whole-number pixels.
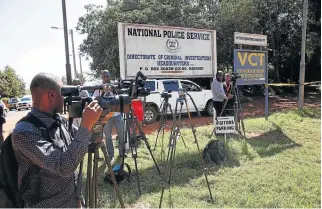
[
  {"x": 214, "y": 152},
  {"x": 10, "y": 194},
  {"x": 119, "y": 173}
]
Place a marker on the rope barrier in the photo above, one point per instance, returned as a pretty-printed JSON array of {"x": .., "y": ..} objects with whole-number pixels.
[{"x": 290, "y": 84}]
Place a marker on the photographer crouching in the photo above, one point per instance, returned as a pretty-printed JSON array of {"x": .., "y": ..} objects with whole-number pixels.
[
  {"x": 49, "y": 147},
  {"x": 218, "y": 93}
]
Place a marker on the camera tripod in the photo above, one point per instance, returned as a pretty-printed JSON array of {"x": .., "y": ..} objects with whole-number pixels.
[
  {"x": 92, "y": 169},
  {"x": 239, "y": 122},
  {"x": 164, "y": 107},
  {"x": 174, "y": 135},
  {"x": 131, "y": 125}
]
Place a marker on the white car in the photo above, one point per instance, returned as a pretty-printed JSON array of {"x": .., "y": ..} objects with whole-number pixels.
[
  {"x": 201, "y": 97},
  {"x": 25, "y": 103}
]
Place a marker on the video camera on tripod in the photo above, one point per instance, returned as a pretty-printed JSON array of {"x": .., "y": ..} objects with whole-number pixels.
[
  {"x": 76, "y": 103},
  {"x": 234, "y": 76},
  {"x": 134, "y": 87},
  {"x": 166, "y": 94}
]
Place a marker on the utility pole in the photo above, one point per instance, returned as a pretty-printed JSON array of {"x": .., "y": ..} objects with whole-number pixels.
[
  {"x": 68, "y": 68},
  {"x": 74, "y": 58},
  {"x": 302, "y": 64},
  {"x": 80, "y": 64}
]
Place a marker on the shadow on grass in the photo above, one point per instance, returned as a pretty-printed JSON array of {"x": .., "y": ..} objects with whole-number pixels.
[
  {"x": 187, "y": 170},
  {"x": 271, "y": 143}
]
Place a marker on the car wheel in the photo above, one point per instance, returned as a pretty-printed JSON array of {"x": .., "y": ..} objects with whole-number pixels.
[
  {"x": 150, "y": 114},
  {"x": 18, "y": 109},
  {"x": 209, "y": 110}
]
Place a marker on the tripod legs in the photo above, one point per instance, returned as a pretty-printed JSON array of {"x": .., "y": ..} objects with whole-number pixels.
[
  {"x": 147, "y": 145},
  {"x": 92, "y": 176},
  {"x": 132, "y": 124},
  {"x": 175, "y": 134},
  {"x": 163, "y": 124}
]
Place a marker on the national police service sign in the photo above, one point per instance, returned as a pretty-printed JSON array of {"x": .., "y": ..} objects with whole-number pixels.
[{"x": 160, "y": 51}]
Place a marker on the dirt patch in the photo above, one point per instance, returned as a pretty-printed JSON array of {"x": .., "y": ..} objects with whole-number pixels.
[{"x": 255, "y": 108}]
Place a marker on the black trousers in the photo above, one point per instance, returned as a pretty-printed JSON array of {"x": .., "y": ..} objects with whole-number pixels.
[{"x": 218, "y": 107}]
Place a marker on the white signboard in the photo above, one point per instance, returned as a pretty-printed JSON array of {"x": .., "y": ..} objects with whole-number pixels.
[
  {"x": 163, "y": 52},
  {"x": 250, "y": 39},
  {"x": 225, "y": 125}
]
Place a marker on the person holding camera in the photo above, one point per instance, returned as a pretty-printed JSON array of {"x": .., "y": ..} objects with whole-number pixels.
[
  {"x": 218, "y": 93},
  {"x": 116, "y": 120},
  {"x": 83, "y": 93},
  {"x": 54, "y": 150},
  {"x": 228, "y": 90}
]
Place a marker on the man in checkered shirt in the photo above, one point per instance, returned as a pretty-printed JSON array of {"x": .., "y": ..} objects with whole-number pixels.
[{"x": 58, "y": 158}]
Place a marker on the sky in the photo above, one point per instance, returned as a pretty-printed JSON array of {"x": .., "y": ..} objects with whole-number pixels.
[{"x": 27, "y": 42}]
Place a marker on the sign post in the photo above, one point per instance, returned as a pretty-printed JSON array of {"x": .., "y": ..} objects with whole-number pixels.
[
  {"x": 252, "y": 65},
  {"x": 225, "y": 125},
  {"x": 163, "y": 52}
]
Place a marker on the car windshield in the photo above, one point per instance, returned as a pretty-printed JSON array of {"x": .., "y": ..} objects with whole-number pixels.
[
  {"x": 13, "y": 100},
  {"x": 26, "y": 99},
  {"x": 150, "y": 84}
]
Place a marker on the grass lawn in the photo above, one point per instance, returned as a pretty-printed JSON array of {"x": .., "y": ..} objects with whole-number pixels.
[{"x": 281, "y": 167}]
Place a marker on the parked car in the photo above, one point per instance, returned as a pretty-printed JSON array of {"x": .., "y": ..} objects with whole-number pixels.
[
  {"x": 5, "y": 109},
  {"x": 13, "y": 103},
  {"x": 25, "y": 103},
  {"x": 202, "y": 97}
]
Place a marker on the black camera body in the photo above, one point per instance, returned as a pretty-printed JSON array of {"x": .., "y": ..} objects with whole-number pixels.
[
  {"x": 166, "y": 94},
  {"x": 76, "y": 104},
  {"x": 134, "y": 87},
  {"x": 234, "y": 76}
]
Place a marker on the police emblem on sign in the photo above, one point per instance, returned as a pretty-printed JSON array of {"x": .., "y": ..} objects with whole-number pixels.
[{"x": 172, "y": 45}]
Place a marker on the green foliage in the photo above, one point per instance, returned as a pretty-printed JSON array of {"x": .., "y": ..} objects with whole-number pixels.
[
  {"x": 10, "y": 83},
  {"x": 281, "y": 21},
  {"x": 281, "y": 168}
]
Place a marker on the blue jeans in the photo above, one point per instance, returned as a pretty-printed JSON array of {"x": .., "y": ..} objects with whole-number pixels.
[{"x": 118, "y": 122}]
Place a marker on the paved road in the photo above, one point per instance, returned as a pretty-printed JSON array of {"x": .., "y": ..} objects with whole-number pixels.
[{"x": 12, "y": 118}]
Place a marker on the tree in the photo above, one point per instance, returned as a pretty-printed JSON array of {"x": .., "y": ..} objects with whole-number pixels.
[
  {"x": 10, "y": 83},
  {"x": 101, "y": 26},
  {"x": 281, "y": 21}
]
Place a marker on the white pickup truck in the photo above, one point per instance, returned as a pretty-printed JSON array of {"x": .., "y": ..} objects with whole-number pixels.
[{"x": 201, "y": 97}]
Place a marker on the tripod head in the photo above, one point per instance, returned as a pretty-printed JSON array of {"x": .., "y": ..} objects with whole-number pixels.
[{"x": 166, "y": 95}]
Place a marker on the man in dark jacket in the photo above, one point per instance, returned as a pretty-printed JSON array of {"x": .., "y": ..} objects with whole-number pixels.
[{"x": 2, "y": 121}]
